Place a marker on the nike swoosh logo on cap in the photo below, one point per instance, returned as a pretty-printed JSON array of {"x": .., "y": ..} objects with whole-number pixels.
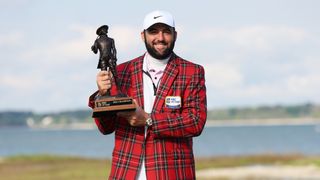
[{"x": 156, "y": 17}]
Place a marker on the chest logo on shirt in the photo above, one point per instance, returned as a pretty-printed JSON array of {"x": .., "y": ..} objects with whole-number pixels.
[{"x": 173, "y": 102}]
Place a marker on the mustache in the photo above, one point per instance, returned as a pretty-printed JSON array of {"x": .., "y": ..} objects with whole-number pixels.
[{"x": 160, "y": 42}]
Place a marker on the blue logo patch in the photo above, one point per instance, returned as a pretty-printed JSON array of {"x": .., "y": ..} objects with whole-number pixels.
[{"x": 173, "y": 102}]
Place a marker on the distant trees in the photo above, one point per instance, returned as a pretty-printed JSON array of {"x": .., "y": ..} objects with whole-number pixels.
[
  {"x": 12, "y": 118},
  {"x": 264, "y": 112},
  {"x": 16, "y": 118}
]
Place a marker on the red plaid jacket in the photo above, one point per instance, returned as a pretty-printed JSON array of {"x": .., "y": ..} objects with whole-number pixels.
[{"x": 168, "y": 146}]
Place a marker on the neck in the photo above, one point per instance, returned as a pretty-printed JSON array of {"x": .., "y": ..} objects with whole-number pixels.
[{"x": 157, "y": 62}]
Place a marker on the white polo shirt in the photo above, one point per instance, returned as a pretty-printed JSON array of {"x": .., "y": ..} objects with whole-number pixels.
[{"x": 153, "y": 71}]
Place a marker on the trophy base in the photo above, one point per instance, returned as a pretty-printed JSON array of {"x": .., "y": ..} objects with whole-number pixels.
[{"x": 109, "y": 105}]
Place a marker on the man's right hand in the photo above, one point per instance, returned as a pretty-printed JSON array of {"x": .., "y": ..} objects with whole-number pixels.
[{"x": 104, "y": 81}]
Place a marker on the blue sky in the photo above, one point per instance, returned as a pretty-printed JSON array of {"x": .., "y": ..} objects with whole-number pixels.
[{"x": 254, "y": 52}]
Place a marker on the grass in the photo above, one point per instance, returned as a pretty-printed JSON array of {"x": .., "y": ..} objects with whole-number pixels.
[
  {"x": 266, "y": 159},
  {"x": 47, "y": 167}
]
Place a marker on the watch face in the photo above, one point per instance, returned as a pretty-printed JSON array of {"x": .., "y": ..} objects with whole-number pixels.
[{"x": 149, "y": 122}]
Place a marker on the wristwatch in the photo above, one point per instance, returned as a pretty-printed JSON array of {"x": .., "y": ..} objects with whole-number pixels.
[{"x": 149, "y": 122}]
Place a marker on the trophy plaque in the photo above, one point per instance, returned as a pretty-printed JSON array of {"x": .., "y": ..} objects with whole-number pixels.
[{"x": 109, "y": 104}]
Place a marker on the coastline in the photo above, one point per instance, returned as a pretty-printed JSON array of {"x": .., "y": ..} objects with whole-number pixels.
[
  {"x": 72, "y": 126},
  {"x": 209, "y": 123}
]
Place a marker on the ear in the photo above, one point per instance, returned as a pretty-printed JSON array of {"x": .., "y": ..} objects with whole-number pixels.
[
  {"x": 175, "y": 35},
  {"x": 142, "y": 36}
]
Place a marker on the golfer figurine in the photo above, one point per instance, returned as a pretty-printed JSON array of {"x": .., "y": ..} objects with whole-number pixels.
[
  {"x": 108, "y": 52},
  {"x": 108, "y": 105}
]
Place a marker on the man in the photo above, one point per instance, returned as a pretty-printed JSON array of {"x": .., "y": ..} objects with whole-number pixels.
[{"x": 155, "y": 140}]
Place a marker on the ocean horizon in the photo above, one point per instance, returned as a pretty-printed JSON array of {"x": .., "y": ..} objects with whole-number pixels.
[{"x": 215, "y": 140}]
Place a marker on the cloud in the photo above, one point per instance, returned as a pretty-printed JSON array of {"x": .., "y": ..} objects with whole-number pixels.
[
  {"x": 222, "y": 76},
  {"x": 244, "y": 65},
  {"x": 260, "y": 64},
  {"x": 59, "y": 67},
  {"x": 13, "y": 3},
  {"x": 308, "y": 85},
  {"x": 289, "y": 89},
  {"x": 11, "y": 39},
  {"x": 20, "y": 82},
  {"x": 126, "y": 37},
  {"x": 256, "y": 37},
  {"x": 65, "y": 51}
]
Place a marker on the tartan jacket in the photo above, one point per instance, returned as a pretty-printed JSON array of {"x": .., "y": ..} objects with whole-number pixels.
[{"x": 168, "y": 145}]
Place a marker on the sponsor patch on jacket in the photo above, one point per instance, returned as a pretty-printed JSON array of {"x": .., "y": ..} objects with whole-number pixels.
[{"x": 173, "y": 102}]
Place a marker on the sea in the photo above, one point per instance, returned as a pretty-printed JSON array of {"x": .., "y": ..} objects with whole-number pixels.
[{"x": 214, "y": 141}]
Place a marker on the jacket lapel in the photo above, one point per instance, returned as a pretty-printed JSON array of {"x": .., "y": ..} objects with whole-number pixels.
[
  {"x": 170, "y": 73},
  {"x": 137, "y": 80}
]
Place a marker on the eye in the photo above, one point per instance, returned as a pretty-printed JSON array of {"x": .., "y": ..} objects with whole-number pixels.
[
  {"x": 167, "y": 31},
  {"x": 152, "y": 31}
]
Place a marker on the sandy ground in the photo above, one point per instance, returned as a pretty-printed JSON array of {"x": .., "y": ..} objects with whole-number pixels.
[{"x": 272, "y": 172}]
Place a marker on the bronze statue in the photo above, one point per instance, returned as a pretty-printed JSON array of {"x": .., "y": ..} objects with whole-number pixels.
[
  {"x": 109, "y": 104},
  {"x": 108, "y": 52}
]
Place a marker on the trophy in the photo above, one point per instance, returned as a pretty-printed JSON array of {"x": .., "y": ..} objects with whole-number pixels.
[{"x": 109, "y": 104}]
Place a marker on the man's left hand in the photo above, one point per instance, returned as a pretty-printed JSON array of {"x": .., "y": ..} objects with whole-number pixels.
[{"x": 135, "y": 118}]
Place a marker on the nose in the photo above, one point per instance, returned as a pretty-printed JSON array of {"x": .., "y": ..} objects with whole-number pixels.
[{"x": 160, "y": 36}]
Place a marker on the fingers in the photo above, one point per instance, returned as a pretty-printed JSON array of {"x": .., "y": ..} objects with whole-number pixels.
[
  {"x": 139, "y": 111},
  {"x": 104, "y": 81},
  {"x": 104, "y": 76},
  {"x": 130, "y": 116},
  {"x": 136, "y": 117},
  {"x": 135, "y": 102},
  {"x": 126, "y": 114}
]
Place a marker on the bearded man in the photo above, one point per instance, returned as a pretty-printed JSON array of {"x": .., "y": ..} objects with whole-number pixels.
[{"x": 155, "y": 140}]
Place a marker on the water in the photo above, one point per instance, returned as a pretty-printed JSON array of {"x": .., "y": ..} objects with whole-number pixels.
[
  {"x": 214, "y": 141},
  {"x": 249, "y": 140}
]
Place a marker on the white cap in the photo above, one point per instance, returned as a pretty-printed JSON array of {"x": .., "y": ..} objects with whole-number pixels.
[{"x": 158, "y": 17}]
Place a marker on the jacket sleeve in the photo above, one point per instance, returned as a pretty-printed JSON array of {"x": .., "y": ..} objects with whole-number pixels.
[
  {"x": 106, "y": 125},
  {"x": 192, "y": 118}
]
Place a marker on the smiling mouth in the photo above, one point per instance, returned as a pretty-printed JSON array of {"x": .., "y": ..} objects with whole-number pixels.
[
  {"x": 160, "y": 43},
  {"x": 160, "y": 46}
]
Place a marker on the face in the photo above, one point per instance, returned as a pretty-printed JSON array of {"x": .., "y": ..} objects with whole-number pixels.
[{"x": 159, "y": 40}]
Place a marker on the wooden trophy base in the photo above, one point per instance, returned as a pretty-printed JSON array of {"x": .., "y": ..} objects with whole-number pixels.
[{"x": 109, "y": 105}]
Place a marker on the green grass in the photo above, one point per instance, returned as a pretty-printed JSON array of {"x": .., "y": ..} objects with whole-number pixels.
[
  {"x": 266, "y": 159},
  {"x": 49, "y": 167}
]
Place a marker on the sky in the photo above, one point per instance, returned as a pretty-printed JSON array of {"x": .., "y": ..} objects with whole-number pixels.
[{"x": 254, "y": 52}]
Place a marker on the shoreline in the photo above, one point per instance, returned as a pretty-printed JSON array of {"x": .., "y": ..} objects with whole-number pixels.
[{"x": 209, "y": 123}]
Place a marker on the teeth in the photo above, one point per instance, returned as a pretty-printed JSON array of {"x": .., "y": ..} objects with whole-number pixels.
[{"x": 160, "y": 47}]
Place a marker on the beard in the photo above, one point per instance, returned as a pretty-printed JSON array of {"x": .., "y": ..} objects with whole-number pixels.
[{"x": 155, "y": 54}]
